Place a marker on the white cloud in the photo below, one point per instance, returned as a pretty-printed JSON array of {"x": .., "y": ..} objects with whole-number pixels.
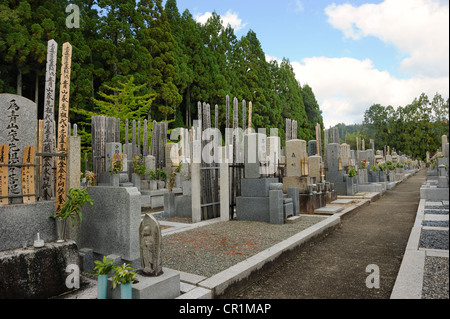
[
  {"x": 295, "y": 6},
  {"x": 346, "y": 87},
  {"x": 230, "y": 18},
  {"x": 417, "y": 28}
]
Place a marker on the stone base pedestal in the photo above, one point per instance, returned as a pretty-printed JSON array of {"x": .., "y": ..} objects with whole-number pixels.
[
  {"x": 300, "y": 182},
  {"x": 307, "y": 203},
  {"x": 166, "y": 286}
]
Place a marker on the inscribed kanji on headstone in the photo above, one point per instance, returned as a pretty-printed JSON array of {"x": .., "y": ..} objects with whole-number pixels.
[{"x": 63, "y": 120}]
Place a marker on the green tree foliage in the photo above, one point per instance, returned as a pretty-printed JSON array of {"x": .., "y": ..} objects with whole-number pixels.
[
  {"x": 141, "y": 59},
  {"x": 413, "y": 129}
]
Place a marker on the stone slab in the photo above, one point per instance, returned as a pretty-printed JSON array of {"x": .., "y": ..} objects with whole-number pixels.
[
  {"x": 296, "y": 182},
  {"x": 166, "y": 286},
  {"x": 21, "y": 222},
  {"x": 253, "y": 209},
  {"x": 328, "y": 210},
  {"x": 408, "y": 284},
  {"x": 342, "y": 201},
  {"x": 36, "y": 273},
  {"x": 276, "y": 207},
  {"x": 111, "y": 225},
  {"x": 258, "y": 187},
  {"x": 435, "y": 193}
]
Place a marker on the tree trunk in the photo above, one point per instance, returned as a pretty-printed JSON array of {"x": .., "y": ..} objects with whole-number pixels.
[
  {"x": 19, "y": 82},
  {"x": 36, "y": 90}
]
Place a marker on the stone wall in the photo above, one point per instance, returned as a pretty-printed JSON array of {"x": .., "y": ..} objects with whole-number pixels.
[{"x": 22, "y": 222}]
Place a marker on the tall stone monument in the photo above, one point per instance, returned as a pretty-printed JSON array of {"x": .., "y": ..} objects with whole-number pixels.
[{"x": 18, "y": 129}]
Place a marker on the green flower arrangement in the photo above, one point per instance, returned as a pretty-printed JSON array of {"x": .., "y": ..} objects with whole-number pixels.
[
  {"x": 374, "y": 168},
  {"x": 351, "y": 172},
  {"x": 382, "y": 167},
  {"x": 139, "y": 165},
  {"x": 399, "y": 165},
  {"x": 364, "y": 164},
  {"x": 73, "y": 205},
  {"x": 104, "y": 267},
  {"x": 123, "y": 275},
  {"x": 152, "y": 173},
  {"x": 162, "y": 175}
]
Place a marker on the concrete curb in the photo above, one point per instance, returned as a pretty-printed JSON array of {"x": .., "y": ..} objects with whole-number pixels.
[{"x": 408, "y": 284}]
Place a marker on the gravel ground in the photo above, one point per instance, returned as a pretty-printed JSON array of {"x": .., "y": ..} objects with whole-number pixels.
[
  {"x": 436, "y": 280},
  {"x": 434, "y": 239},
  {"x": 209, "y": 250},
  {"x": 435, "y": 223},
  {"x": 436, "y": 211}
]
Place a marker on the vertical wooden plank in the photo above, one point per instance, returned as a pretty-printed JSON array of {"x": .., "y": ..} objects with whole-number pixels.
[
  {"x": 63, "y": 121},
  {"x": 28, "y": 175},
  {"x": 48, "y": 137},
  {"x": 4, "y": 155},
  {"x": 145, "y": 141}
]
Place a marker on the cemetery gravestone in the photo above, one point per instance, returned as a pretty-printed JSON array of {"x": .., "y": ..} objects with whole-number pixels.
[{"x": 18, "y": 125}]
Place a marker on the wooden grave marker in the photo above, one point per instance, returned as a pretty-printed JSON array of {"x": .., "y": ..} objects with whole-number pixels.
[
  {"x": 28, "y": 189},
  {"x": 63, "y": 126},
  {"x": 4, "y": 155}
]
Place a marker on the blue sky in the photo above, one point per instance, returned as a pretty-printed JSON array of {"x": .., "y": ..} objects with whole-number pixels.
[{"x": 352, "y": 53}]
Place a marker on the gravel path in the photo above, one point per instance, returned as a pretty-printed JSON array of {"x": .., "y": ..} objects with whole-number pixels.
[
  {"x": 209, "y": 250},
  {"x": 436, "y": 280}
]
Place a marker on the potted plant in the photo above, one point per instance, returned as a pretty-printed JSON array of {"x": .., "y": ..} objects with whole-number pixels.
[
  {"x": 153, "y": 179},
  {"x": 103, "y": 269},
  {"x": 90, "y": 178},
  {"x": 162, "y": 178},
  {"x": 124, "y": 276},
  {"x": 382, "y": 172},
  {"x": 352, "y": 181},
  {"x": 139, "y": 166},
  {"x": 351, "y": 172},
  {"x": 399, "y": 168},
  {"x": 71, "y": 208},
  {"x": 373, "y": 174},
  {"x": 116, "y": 167}
]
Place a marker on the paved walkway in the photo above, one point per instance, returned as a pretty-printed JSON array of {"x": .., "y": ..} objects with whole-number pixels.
[{"x": 338, "y": 266}]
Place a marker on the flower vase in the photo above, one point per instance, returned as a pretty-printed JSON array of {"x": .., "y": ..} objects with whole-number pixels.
[
  {"x": 102, "y": 287},
  {"x": 126, "y": 291},
  {"x": 60, "y": 230},
  {"x": 115, "y": 180}
]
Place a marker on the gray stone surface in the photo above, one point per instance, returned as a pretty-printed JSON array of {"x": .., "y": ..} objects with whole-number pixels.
[
  {"x": 36, "y": 273},
  {"x": 166, "y": 286},
  {"x": 276, "y": 207},
  {"x": 258, "y": 187},
  {"x": 150, "y": 241},
  {"x": 294, "y": 195},
  {"x": 329, "y": 210},
  {"x": 21, "y": 222},
  {"x": 251, "y": 155},
  {"x": 18, "y": 118},
  {"x": 333, "y": 154},
  {"x": 312, "y": 148},
  {"x": 112, "y": 224},
  {"x": 253, "y": 209}
]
